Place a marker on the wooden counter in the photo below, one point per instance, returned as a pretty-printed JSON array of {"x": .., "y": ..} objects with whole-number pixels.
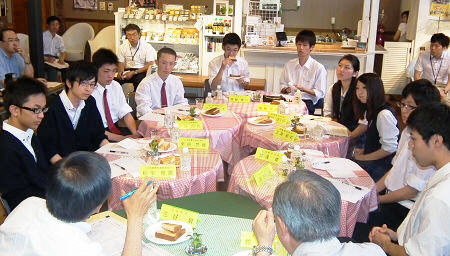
[{"x": 197, "y": 81}]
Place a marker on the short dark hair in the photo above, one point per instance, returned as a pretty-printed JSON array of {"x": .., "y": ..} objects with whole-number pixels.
[
  {"x": 3, "y": 30},
  {"x": 53, "y": 18},
  {"x": 77, "y": 185},
  {"x": 375, "y": 96},
  {"x": 131, "y": 27},
  {"x": 166, "y": 50},
  {"x": 18, "y": 91},
  {"x": 440, "y": 38},
  {"x": 422, "y": 91},
  {"x": 405, "y": 13},
  {"x": 431, "y": 119},
  {"x": 233, "y": 39},
  {"x": 306, "y": 36},
  {"x": 353, "y": 60},
  {"x": 80, "y": 71},
  {"x": 104, "y": 56}
]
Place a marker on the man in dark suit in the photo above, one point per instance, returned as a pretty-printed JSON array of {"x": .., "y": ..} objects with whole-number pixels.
[{"x": 22, "y": 160}]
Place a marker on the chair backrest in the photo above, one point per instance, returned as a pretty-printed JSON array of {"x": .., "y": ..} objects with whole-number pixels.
[
  {"x": 104, "y": 39},
  {"x": 75, "y": 39},
  {"x": 24, "y": 42}
]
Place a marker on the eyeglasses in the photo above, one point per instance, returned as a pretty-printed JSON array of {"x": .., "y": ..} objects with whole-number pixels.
[
  {"x": 406, "y": 106},
  {"x": 37, "y": 111},
  {"x": 88, "y": 85}
]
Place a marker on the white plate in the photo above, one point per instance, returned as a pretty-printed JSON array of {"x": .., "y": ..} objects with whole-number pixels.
[
  {"x": 172, "y": 147},
  {"x": 203, "y": 113},
  {"x": 252, "y": 121},
  {"x": 235, "y": 77},
  {"x": 150, "y": 232}
]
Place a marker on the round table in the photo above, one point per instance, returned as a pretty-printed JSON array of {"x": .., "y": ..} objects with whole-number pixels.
[{"x": 350, "y": 212}]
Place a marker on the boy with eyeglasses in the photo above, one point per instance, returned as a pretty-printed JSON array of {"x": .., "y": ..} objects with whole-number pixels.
[
  {"x": 22, "y": 160},
  {"x": 73, "y": 122}
]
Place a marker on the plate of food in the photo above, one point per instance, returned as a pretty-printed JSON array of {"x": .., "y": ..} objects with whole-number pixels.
[
  {"x": 168, "y": 232},
  {"x": 163, "y": 146},
  {"x": 213, "y": 112},
  {"x": 172, "y": 159},
  {"x": 261, "y": 120},
  {"x": 185, "y": 118}
]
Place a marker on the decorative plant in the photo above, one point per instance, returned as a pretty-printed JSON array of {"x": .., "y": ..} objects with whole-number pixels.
[
  {"x": 196, "y": 240},
  {"x": 192, "y": 112}
]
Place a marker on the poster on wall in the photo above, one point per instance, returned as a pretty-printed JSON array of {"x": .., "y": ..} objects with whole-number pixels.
[
  {"x": 85, "y": 4},
  {"x": 439, "y": 9},
  {"x": 143, "y": 3}
]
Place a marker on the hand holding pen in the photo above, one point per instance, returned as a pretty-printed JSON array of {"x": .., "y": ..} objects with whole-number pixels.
[{"x": 137, "y": 202}]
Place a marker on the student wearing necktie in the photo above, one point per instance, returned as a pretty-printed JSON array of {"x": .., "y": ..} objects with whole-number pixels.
[
  {"x": 110, "y": 100},
  {"x": 160, "y": 89}
]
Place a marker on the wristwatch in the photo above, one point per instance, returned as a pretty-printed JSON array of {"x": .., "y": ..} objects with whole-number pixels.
[{"x": 261, "y": 248}]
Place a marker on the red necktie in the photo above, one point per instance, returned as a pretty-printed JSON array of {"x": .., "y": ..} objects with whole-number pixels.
[
  {"x": 111, "y": 126},
  {"x": 163, "y": 96}
]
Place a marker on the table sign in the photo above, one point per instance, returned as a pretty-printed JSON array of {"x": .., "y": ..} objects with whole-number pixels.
[
  {"x": 221, "y": 107},
  {"x": 267, "y": 108},
  {"x": 190, "y": 125},
  {"x": 169, "y": 212},
  {"x": 164, "y": 171},
  {"x": 239, "y": 99},
  {"x": 286, "y": 135},
  {"x": 268, "y": 155},
  {"x": 262, "y": 175},
  {"x": 280, "y": 119},
  {"x": 193, "y": 143},
  {"x": 248, "y": 241}
]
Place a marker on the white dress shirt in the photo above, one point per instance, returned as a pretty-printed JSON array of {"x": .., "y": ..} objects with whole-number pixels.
[
  {"x": 238, "y": 67},
  {"x": 426, "y": 229},
  {"x": 440, "y": 67},
  {"x": 402, "y": 28},
  {"x": 312, "y": 75},
  {"x": 72, "y": 112},
  {"x": 24, "y": 136},
  {"x": 387, "y": 130},
  {"x": 118, "y": 106},
  {"x": 405, "y": 171},
  {"x": 53, "y": 45},
  {"x": 333, "y": 247},
  {"x": 148, "y": 93},
  {"x": 30, "y": 229},
  {"x": 328, "y": 102},
  {"x": 136, "y": 57}
]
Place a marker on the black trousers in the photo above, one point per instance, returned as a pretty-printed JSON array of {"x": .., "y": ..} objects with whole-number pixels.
[
  {"x": 135, "y": 80},
  {"x": 310, "y": 106}
]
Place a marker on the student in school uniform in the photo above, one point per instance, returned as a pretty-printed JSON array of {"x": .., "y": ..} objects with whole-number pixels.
[
  {"x": 111, "y": 102},
  {"x": 22, "y": 159},
  {"x": 229, "y": 70},
  {"x": 161, "y": 89},
  {"x": 382, "y": 133},
  {"x": 400, "y": 187},
  {"x": 73, "y": 122},
  {"x": 54, "y": 50},
  {"x": 305, "y": 73}
]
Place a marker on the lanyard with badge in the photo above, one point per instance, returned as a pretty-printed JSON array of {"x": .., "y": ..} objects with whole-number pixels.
[
  {"x": 432, "y": 68},
  {"x": 130, "y": 63}
]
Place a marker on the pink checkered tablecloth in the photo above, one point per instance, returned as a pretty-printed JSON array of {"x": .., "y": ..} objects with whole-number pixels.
[
  {"x": 262, "y": 136},
  {"x": 207, "y": 169},
  {"x": 350, "y": 212}
]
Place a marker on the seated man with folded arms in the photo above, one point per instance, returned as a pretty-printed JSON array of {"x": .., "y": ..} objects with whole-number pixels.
[
  {"x": 222, "y": 68},
  {"x": 73, "y": 122},
  {"x": 306, "y": 216},
  {"x": 111, "y": 102},
  {"x": 405, "y": 180},
  {"x": 305, "y": 73},
  {"x": 161, "y": 89},
  {"x": 78, "y": 187},
  {"x": 425, "y": 230},
  {"x": 54, "y": 50},
  {"x": 22, "y": 160}
]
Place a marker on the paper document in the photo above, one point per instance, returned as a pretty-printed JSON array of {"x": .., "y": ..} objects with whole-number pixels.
[
  {"x": 349, "y": 192},
  {"x": 57, "y": 65},
  {"x": 52, "y": 84},
  {"x": 150, "y": 116},
  {"x": 131, "y": 165},
  {"x": 337, "y": 167},
  {"x": 129, "y": 144},
  {"x": 115, "y": 149}
]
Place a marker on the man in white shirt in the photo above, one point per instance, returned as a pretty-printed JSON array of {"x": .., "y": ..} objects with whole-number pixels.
[
  {"x": 305, "y": 73},
  {"x": 110, "y": 100},
  {"x": 229, "y": 70},
  {"x": 435, "y": 65},
  {"x": 425, "y": 230},
  {"x": 136, "y": 56},
  {"x": 161, "y": 89},
  {"x": 306, "y": 217},
  {"x": 54, "y": 49},
  {"x": 78, "y": 187}
]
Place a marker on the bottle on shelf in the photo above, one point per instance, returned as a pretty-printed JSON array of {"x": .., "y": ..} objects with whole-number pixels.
[
  {"x": 209, "y": 98},
  {"x": 185, "y": 160}
]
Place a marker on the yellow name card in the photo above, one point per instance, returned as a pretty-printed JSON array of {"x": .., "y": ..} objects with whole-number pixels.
[
  {"x": 162, "y": 172},
  {"x": 221, "y": 107},
  {"x": 285, "y": 135},
  {"x": 239, "y": 99},
  {"x": 268, "y": 155},
  {"x": 248, "y": 241},
  {"x": 267, "y": 108},
  {"x": 193, "y": 143},
  {"x": 169, "y": 212},
  {"x": 262, "y": 175},
  {"x": 190, "y": 125},
  {"x": 280, "y": 119}
]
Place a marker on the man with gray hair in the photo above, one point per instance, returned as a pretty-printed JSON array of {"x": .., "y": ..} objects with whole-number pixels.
[{"x": 306, "y": 217}]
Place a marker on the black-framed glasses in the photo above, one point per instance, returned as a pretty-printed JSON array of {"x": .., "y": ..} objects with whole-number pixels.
[
  {"x": 406, "y": 106},
  {"x": 37, "y": 111},
  {"x": 86, "y": 84}
]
